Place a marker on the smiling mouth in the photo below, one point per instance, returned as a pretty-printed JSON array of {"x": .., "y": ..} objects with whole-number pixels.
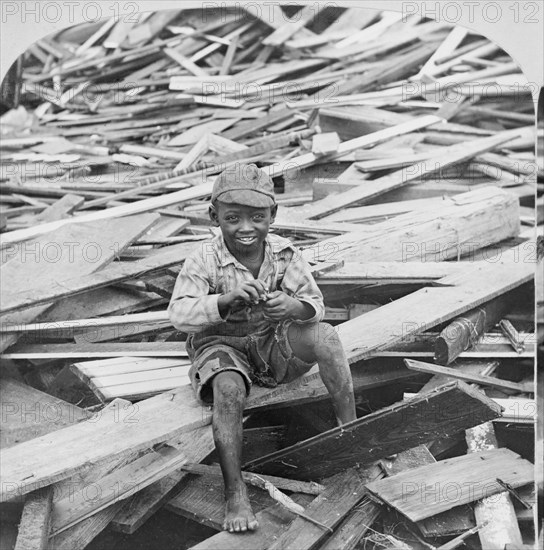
[{"x": 246, "y": 240}]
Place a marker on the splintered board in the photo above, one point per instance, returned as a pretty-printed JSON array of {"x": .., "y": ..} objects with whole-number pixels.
[
  {"x": 429, "y": 490},
  {"x": 445, "y": 411},
  {"x": 130, "y": 377}
]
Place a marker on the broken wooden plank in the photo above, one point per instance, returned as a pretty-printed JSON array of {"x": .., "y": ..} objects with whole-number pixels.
[
  {"x": 419, "y": 366},
  {"x": 475, "y": 478},
  {"x": 382, "y": 433}
]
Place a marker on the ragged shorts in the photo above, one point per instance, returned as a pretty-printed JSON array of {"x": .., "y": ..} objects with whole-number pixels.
[{"x": 264, "y": 358}]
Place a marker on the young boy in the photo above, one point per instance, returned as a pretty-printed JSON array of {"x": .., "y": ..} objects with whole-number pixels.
[{"x": 252, "y": 310}]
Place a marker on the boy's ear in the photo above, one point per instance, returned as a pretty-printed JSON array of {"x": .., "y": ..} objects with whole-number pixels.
[
  {"x": 273, "y": 212},
  {"x": 212, "y": 212}
]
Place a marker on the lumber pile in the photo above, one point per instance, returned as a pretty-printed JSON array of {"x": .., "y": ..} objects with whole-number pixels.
[{"x": 402, "y": 153}]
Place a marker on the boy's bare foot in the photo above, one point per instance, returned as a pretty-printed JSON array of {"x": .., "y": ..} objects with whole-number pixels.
[{"x": 238, "y": 513}]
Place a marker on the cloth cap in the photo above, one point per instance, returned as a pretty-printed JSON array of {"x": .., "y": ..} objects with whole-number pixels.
[{"x": 244, "y": 184}]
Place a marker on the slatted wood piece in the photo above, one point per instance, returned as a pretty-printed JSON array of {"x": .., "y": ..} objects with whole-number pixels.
[
  {"x": 123, "y": 365},
  {"x": 426, "y": 491},
  {"x": 44, "y": 460},
  {"x": 447, "y": 410},
  {"x": 150, "y": 384}
]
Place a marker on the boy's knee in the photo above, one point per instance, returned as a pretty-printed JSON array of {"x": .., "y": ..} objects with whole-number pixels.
[
  {"x": 229, "y": 385},
  {"x": 328, "y": 335}
]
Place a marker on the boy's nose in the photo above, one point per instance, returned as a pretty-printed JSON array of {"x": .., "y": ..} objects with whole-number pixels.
[{"x": 246, "y": 225}]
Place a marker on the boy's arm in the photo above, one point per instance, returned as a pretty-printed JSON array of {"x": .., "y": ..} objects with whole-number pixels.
[{"x": 191, "y": 307}]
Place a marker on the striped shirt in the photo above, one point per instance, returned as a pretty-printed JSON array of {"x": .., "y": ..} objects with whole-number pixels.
[{"x": 212, "y": 270}]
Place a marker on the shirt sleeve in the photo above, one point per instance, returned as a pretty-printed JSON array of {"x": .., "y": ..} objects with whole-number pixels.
[
  {"x": 191, "y": 307},
  {"x": 299, "y": 282}
]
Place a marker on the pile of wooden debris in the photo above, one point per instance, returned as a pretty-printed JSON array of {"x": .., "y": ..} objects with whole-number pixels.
[{"x": 402, "y": 152}]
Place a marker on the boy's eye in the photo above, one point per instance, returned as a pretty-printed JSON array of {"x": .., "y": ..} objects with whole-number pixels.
[
  {"x": 231, "y": 218},
  {"x": 258, "y": 217}
]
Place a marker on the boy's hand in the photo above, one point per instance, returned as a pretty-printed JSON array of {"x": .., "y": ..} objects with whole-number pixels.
[
  {"x": 250, "y": 292},
  {"x": 279, "y": 306}
]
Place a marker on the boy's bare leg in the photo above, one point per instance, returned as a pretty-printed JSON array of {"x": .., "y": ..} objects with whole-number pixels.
[
  {"x": 319, "y": 343},
  {"x": 229, "y": 395}
]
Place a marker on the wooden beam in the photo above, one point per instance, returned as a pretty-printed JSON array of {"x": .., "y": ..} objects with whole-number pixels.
[
  {"x": 382, "y": 433},
  {"x": 475, "y": 220},
  {"x": 463, "y": 332},
  {"x": 475, "y": 478}
]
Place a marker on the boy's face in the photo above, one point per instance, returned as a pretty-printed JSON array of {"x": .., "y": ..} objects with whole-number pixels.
[{"x": 244, "y": 227}]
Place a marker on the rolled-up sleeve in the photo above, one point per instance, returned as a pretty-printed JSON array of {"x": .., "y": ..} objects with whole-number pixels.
[
  {"x": 191, "y": 308},
  {"x": 299, "y": 282}
]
